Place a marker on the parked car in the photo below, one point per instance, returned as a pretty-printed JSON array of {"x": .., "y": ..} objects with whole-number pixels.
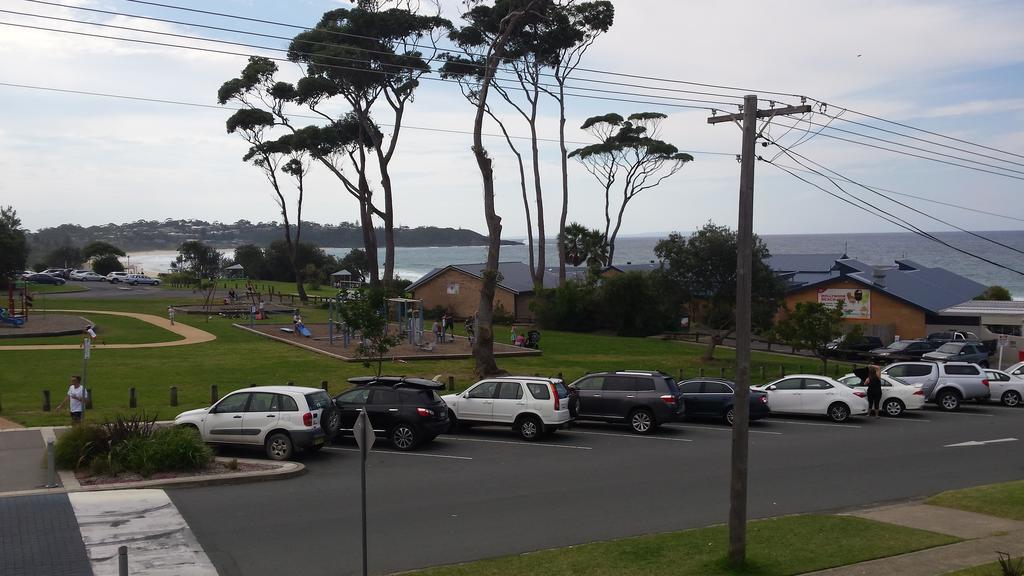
[
  {"x": 852, "y": 348},
  {"x": 960, "y": 351},
  {"x": 953, "y": 336},
  {"x": 136, "y": 279},
  {"x": 947, "y": 384},
  {"x": 813, "y": 394},
  {"x": 87, "y": 276},
  {"x": 713, "y": 398},
  {"x": 40, "y": 278},
  {"x": 1006, "y": 389},
  {"x": 115, "y": 277},
  {"x": 406, "y": 411},
  {"x": 280, "y": 419},
  {"x": 58, "y": 272},
  {"x": 643, "y": 399},
  {"x": 901, "y": 350},
  {"x": 897, "y": 396},
  {"x": 1016, "y": 370},
  {"x": 532, "y": 406}
]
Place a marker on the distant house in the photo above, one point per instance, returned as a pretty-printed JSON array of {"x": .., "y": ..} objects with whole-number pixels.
[
  {"x": 617, "y": 269},
  {"x": 889, "y": 301},
  {"x": 346, "y": 279},
  {"x": 456, "y": 288},
  {"x": 233, "y": 271}
]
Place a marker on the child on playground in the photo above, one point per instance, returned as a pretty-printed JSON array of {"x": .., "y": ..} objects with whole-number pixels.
[{"x": 438, "y": 332}]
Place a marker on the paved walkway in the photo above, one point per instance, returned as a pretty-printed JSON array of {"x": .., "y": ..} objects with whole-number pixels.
[
  {"x": 983, "y": 536},
  {"x": 24, "y": 460},
  {"x": 189, "y": 334},
  {"x": 39, "y": 536},
  {"x": 6, "y": 424}
]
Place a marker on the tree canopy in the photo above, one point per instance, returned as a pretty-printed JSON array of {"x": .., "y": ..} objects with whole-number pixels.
[
  {"x": 13, "y": 244},
  {"x": 810, "y": 326}
]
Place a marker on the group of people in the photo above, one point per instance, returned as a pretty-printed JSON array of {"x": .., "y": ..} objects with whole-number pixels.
[{"x": 444, "y": 328}]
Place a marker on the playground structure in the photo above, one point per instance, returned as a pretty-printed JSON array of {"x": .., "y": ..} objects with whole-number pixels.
[
  {"x": 408, "y": 317},
  {"x": 16, "y": 313},
  {"x": 253, "y": 298}
]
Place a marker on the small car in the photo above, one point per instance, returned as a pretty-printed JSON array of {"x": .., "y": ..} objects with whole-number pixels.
[
  {"x": 897, "y": 396},
  {"x": 406, "y": 411},
  {"x": 136, "y": 279},
  {"x": 814, "y": 394},
  {"x": 713, "y": 398},
  {"x": 41, "y": 278},
  {"x": 87, "y": 276},
  {"x": 531, "y": 405},
  {"x": 1006, "y": 389}
]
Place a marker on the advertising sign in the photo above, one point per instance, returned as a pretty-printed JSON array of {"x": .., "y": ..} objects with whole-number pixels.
[{"x": 856, "y": 301}]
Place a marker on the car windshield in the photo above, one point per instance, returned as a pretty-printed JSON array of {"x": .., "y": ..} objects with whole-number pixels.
[
  {"x": 672, "y": 387},
  {"x": 563, "y": 390},
  {"x": 899, "y": 345},
  {"x": 949, "y": 348},
  {"x": 318, "y": 400}
]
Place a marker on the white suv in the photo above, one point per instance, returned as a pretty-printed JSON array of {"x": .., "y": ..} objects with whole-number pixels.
[
  {"x": 115, "y": 277},
  {"x": 281, "y": 419},
  {"x": 533, "y": 406}
]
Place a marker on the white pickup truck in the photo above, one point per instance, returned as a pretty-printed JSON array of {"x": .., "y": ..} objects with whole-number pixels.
[{"x": 947, "y": 384}]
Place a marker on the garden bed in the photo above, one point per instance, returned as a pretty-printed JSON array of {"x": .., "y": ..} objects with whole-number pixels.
[{"x": 221, "y": 466}]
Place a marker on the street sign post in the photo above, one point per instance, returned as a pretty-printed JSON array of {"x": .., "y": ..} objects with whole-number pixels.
[
  {"x": 86, "y": 353},
  {"x": 1003, "y": 341},
  {"x": 363, "y": 432}
]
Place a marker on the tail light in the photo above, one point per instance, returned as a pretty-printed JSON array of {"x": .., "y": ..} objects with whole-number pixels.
[
  {"x": 669, "y": 399},
  {"x": 985, "y": 382},
  {"x": 554, "y": 394},
  {"x": 425, "y": 412},
  {"x": 764, "y": 399},
  {"x": 918, "y": 392},
  {"x": 860, "y": 394},
  {"x": 307, "y": 419}
]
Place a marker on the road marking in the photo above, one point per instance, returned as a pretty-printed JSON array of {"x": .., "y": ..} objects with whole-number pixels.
[
  {"x": 818, "y": 424},
  {"x": 334, "y": 449},
  {"x": 907, "y": 419},
  {"x": 721, "y": 429},
  {"x": 980, "y": 442},
  {"x": 632, "y": 436},
  {"x": 520, "y": 443},
  {"x": 967, "y": 414}
]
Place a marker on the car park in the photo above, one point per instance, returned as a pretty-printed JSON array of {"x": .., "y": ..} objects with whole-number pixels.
[
  {"x": 1004, "y": 388},
  {"x": 531, "y": 405},
  {"x": 947, "y": 384},
  {"x": 814, "y": 395},
  {"x": 713, "y": 398},
  {"x": 852, "y": 347},
  {"x": 960, "y": 351},
  {"x": 40, "y": 278},
  {"x": 406, "y": 411},
  {"x": 279, "y": 419},
  {"x": 136, "y": 279},
  {"x": 115, "y": 277},
  {"x": 901, "y": 350},
  {"x": 641, "y": 398},
  {"x": 897, "y": 396}
]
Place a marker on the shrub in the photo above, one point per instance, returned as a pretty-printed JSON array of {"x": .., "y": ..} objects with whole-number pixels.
[
  {"x": 77, "y": 447},
  {"x": 502, "y": 316},
  {"x": 179, "y": 449},
  {"x": 574, "y": 307}
]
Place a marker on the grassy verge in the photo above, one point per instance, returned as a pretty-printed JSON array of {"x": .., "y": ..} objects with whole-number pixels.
[
  {"x": 54, "y": 289},
  {"x": 109, "y": 330},
  {"x": 778, "y": 546},
  {"x": 992, "y": 569},
  {"x": 1004, "y": 500}
]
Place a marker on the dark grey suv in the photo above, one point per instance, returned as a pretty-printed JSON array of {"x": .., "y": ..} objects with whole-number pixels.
[
  {"x": 641, "y": 398},
  {"x": 960, "y": 351}
]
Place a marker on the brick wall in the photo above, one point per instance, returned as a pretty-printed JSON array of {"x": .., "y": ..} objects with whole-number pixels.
[
  {"x": 889, "y": 316},
  {"x": 464, "y": 302}
]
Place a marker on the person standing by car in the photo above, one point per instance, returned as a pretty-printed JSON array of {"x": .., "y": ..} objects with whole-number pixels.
[
  {"x": 76, "y": 395},
  {"x": 874, "y": 384}
]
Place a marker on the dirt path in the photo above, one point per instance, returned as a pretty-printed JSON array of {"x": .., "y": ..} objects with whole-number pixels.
[{"x": 190, "y": 335}]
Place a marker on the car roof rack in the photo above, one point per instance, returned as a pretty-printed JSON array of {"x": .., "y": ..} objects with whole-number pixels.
[{"x": 397, "y": 382}]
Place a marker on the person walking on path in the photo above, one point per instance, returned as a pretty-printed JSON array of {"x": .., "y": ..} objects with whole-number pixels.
[
  {"x": 76, "y": 397},
  {"x": 170, "y": 314},
  {"x": 874, "y": 384}
]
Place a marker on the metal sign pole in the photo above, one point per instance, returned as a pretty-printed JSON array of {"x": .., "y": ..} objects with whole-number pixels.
[
  {"x": 86, "y": 352},
  {"x": 363, "y": 432}
]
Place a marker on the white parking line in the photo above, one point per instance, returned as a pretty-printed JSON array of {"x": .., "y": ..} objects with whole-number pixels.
[
  {"x": 968, "y": 414},
  {"x": 827, "y": 425},
  {"x": 333, "y": 449},
  {"x": 906, "y": 419},
  {"x": 721, "y": 429},
  {"x": 537, "y": 444},
  {"x": 637, "y": 436}
]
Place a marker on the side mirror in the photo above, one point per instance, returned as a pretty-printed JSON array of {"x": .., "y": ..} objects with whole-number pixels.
[
  {"x": 465, "y": 394},
  {"x": 772, "y": 387}
]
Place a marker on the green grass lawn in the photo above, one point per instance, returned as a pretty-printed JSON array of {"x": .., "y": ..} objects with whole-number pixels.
[
  {"x": 1004, "y": 500},
  {"x": 991, "y": 569},
  {"x": 238, "y": 359},
  {"x": 778, "y": 546},
  {"x": 54, "y": 289},
  {"x": 109, "y": 330}
]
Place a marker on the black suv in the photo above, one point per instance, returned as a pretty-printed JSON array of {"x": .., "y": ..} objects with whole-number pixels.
[
  {"x": 641, "y": 398},
  {"x": 902, "y": 350},
  {"x": 852, "y": 348},
  {"x": 406, "y": 411}
]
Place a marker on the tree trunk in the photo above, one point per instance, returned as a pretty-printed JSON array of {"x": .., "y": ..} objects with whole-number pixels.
[
  {"x": 538, "y": 276},
  {"x": 709, "y": 351},
  {"x": 299, "y": 287},
  {"x": 615, "y": 233},
  {"x": 565, "y": 182},
  {"x": 370, "y": 242}
]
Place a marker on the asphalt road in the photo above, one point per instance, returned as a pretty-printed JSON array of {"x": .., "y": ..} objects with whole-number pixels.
[
  {"x": 485, "y": 493},
  {"x": 106, "y": 290}
]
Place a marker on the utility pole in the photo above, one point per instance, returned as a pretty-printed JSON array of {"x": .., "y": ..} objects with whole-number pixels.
[{"x": 744, "y": 256}]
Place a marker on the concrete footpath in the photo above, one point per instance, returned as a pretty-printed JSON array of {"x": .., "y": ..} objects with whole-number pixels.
[
  {"x": 23, "y": 453},
  {"x": 983, "y": 536}
]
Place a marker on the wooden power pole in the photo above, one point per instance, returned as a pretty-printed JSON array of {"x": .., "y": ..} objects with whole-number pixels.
[{"x": 745, "y": 249}]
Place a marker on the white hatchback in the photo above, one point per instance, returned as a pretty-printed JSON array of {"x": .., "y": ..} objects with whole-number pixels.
[
  {"x": 897, "y": 396},
  {"x": 533, "y": 406},
  {"x": 813, "y": 394},
  {"x": 281, "y": 419}
]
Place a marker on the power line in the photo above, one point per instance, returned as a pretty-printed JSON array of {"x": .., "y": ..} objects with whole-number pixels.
[{"x": 306, "y": 116}]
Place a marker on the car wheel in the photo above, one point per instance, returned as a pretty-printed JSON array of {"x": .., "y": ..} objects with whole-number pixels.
[
  {"x": 156, "y": 283},
  {"x": 893, "y": 407},
  {"x": 641, "y": 421},
  {"x": 330, "y": 421},
  {"x": 729, "y": 417},
  {"x": 1011, "y": 398},
  {"x": 134, "y": 283},
  {"x": 839, "y": 412},
  {"x": 403, "y": 437},
  {"x": 530, "y": 428},
  {"x": 279, "y": 446},
  {"x": 453, "y": 423},
  {"x": 949, "y": 400}
]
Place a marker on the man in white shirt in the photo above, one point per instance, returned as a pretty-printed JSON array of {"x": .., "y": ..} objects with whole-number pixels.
[{"x": 76, "y": 396}]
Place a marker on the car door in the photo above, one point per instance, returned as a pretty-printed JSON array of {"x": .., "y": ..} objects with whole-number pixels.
[
  {"x": 692, "y": 398},
  {"x": 349, "y": 404},
  {"x": 816, "y": 396},
  {"x": 716, "y": 395},
  {"x": 786, "y": 396},
  {"x": 590, "y": 390},
  {"x": 618, "y": 396},
  {"x": 224, "y": 421},
  {"x": 383, "y": 408},
  {"x": 477, "y": 403},
  {"x": 508, "y": 403},
  {"x": 260, "y": 416}
]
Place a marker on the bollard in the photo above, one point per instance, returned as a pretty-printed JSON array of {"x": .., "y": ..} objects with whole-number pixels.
[
  {"x": 174, "y": 395},
  {"x": 560, "y": 376},
  {"x": 323, "y": 384},
  {"x": 1, "y": 402},
  {"x": 290, "y": 383},
  {"x": 88, "y": 398},
  {"x": 46, "y": 400},
  {"x": 782, "y": 370},
  {"x": 721, "y": 372},
  {"x": 51, "y": 466},
  {"x": 131, "y": 397},
  {"x": 451, "y": 383},
  {"x": 213, "y": 394},
  {"x": 762, "y": 372},
  {"x": 701, "y": 372},
  {"x": 122, "y": 561},
  {"x": 682, "y": 374}
]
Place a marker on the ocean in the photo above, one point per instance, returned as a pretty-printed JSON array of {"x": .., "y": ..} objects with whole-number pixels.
[{"x": 875, "y": 248}]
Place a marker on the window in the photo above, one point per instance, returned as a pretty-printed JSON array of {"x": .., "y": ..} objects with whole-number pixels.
[
  {"x": 1008, "y": 329},
  {"x": 961, "y": 370},
  {"x": 539, "y": 391},
  {"x": 950, "y": 348},
  {"x": 261, "y": 402},
  {"x": 690, "y": 387},
  {"x": 997, "y": 376},
  {"x": 644, "y": 384},
  {"x": 717, "y": 388},
  {"x": 788, "y": 384},
  {"x": 286, "y": 403},
  {"x": 593, "y": 383},
  {"x": 417, "y": 396},
  {"x": 562, "y": 389},
  {"x": 510, "y": 391},
  {"x": 619, "y": 384},
  {"x": 910, "y": 370},
  {"x": 384, "y": 396},
  {"x": 318, "y": 400},
  {"x": 232, "y": 403},
  {"x": 815, "y": 384},
  {"x": 484, "y": 390},
  {"x": 357, "y": 396}
]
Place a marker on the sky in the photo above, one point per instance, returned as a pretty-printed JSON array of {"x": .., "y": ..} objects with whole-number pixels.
[{"x": 952, "y": 67}]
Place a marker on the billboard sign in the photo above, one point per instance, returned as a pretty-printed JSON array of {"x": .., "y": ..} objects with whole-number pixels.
[{"x": 856, "y": 301}]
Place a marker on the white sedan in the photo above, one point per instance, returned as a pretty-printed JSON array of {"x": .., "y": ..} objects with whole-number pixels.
[
  {"x": 87, "y": 276},
  {"x": 897, "y": 396},
  {"x": 1007, "y": 389},
  {"x": 813, "y": 394},
  {"x": 1016, "y": 370}
]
